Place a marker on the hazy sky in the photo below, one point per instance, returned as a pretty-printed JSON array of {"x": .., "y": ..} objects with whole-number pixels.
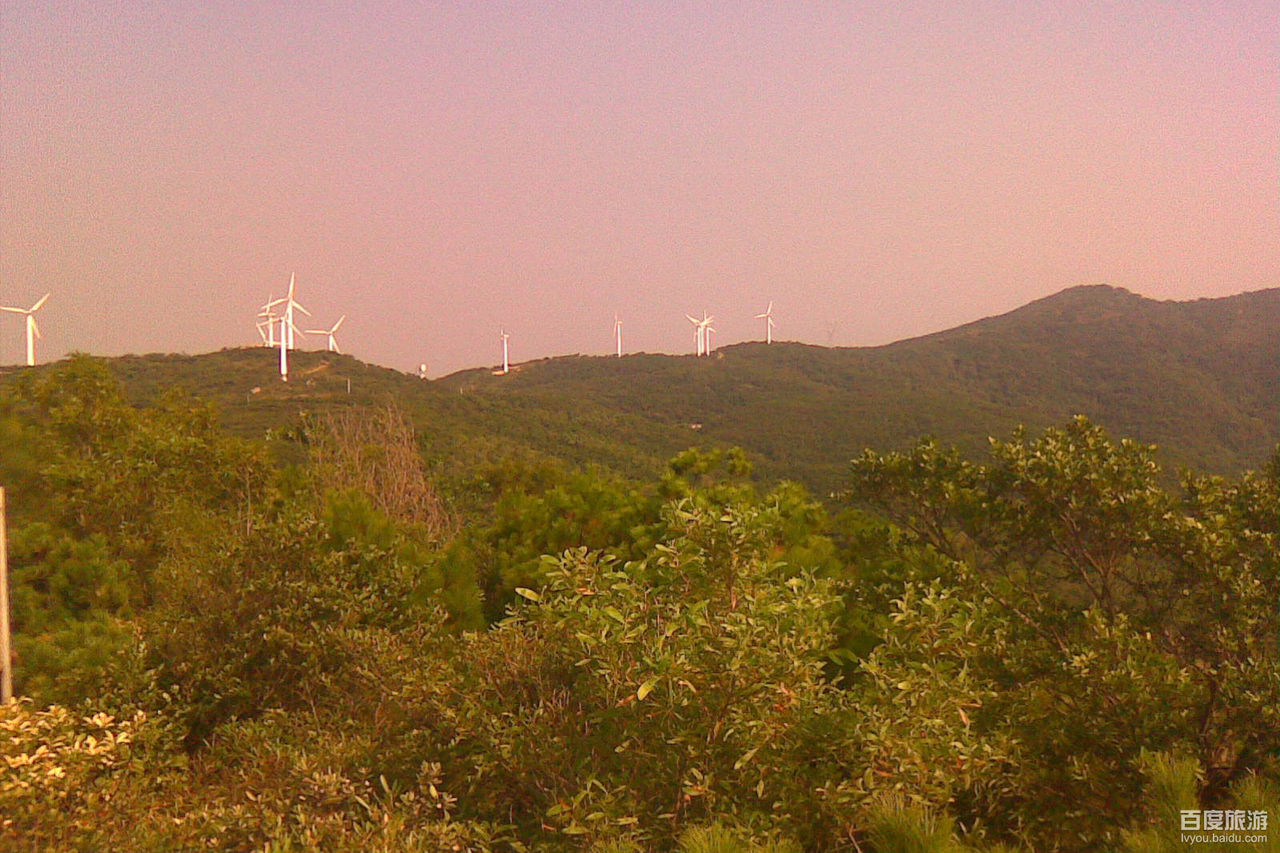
[{"x": 435, "y": 170}]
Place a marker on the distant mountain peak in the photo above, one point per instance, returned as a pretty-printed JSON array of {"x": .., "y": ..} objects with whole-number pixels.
[{"x": 1082, "y": 294}]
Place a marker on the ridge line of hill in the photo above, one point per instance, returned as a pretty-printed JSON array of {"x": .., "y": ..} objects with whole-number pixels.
[{"x": 1200, "y": 378}]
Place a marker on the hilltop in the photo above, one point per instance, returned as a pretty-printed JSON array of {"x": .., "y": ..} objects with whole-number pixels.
[{"x": 1200, "y": 378}]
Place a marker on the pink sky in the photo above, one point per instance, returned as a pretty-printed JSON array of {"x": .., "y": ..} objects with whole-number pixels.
[{"x": 433, "y": 170}]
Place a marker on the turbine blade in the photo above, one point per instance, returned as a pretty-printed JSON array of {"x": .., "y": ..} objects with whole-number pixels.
[
  {"x": 338, "y": 324},
  {"x": 34, "y": 326},
  {"x": 336, "y": 348},
  {"x": 13, "y": 310},
  {"x": 43, "y": 300},
  {"x": 298, "y": 307}
]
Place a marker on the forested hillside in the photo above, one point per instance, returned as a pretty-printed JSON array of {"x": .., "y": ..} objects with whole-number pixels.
[
  {"x": 363, "y": 611},
  {"x": 305, "y": 642},
  {"x": 1200, "y": 379}
]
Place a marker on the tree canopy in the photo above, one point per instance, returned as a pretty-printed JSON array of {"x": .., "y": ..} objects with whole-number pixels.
[{"x": 307, "y": 643}]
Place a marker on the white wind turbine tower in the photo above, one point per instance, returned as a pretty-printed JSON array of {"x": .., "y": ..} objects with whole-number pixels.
[
  {"x": 333, "y": 342},
  {"x": 284, "y": 350},
  {"x": 33, "y": 331},
  {"x": 288, "y": 311},
  {"x": 697, "y": 333},
  {"x": 617, "y": 333},
  {"x": 506, "y": 365},
  {"x": 767, "y": 316}
]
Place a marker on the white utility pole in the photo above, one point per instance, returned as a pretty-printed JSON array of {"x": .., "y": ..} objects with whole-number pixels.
[{"x": 6, "y": 656}]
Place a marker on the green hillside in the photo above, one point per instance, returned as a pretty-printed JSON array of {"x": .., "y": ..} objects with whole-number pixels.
[
  {"x": 1040, "y": 645},
  {"x": 1200, "y": 379},
  {"x": 458, "y": 429}
]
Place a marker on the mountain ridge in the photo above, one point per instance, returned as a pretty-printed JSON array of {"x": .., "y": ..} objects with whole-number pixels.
[{"x": 1200, "y": 378}]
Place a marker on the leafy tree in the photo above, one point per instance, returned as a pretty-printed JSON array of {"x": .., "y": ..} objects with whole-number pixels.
[
  {"x": 286, "y": 618},
  {"x": 972, "y": 653},
  {"x": 641, "y": 697},
  {"x": 117, "y": 782},
  {"x": 102, "y": 492},
  {"x": 1136, "y": 619},
  {"x": 60, "y": 770},
  {"x": 68, "y": 599},
  {"x": 542, "y": 510},
  {"x": 147, "y": 480}
]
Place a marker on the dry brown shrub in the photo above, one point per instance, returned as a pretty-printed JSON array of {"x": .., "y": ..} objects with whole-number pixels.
[{"x": 375, "y": 451}]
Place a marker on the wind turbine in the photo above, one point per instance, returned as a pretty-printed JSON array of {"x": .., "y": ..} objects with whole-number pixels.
[
  {"x": 333, "y": 342},
  {"x": 704, "y": 325},
  {"x": 617, "y": 333},
  {"x": 290, "y": 304},
  {"x": 267, "y": 322},
  {"x": 697, "y": 333},
  {"x": 506, "y": 365},
  {"x": 33, "y": 331},
  {"x": 767, "y": 316}
]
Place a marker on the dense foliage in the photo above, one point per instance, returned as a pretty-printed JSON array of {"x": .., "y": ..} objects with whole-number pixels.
[{"x": 304, "y": 643}]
